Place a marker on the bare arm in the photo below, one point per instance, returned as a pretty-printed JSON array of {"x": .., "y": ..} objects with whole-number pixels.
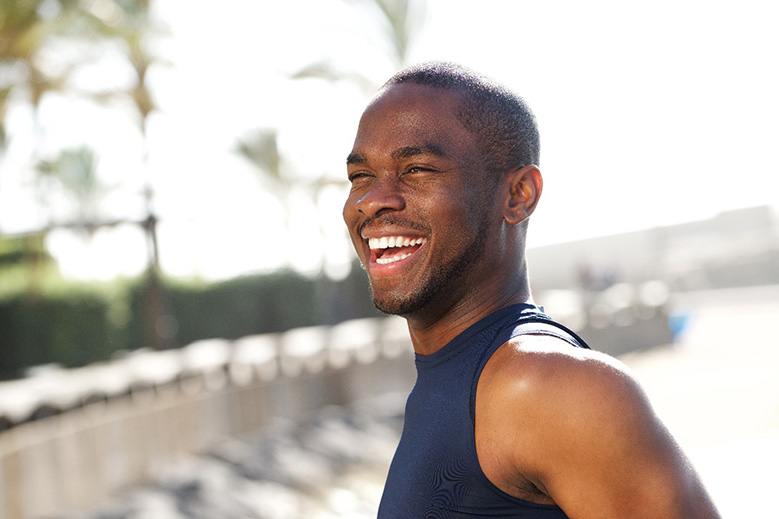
[{"x": 585, "y": 433}]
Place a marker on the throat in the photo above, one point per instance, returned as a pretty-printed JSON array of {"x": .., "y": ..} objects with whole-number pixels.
[{"x": 453, "y": 313}]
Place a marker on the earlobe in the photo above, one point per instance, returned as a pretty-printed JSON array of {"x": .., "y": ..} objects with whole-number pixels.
[{"x": 524, "y": 190}]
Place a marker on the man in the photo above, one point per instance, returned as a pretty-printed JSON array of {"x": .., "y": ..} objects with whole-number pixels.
[{"x": 511, "y": 414}]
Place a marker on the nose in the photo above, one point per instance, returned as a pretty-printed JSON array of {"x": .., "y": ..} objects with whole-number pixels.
[{"x": 382, "y": 196}]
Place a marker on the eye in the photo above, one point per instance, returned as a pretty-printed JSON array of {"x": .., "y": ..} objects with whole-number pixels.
[
  {"x": 357, "y": 175},
  {"x": 418, "y": 169}
]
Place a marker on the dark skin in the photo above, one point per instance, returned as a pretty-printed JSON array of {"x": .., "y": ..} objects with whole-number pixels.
[{"x": 554, "y": 424}]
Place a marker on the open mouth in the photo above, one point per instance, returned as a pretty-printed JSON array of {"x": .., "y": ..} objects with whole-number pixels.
[{"x": 392, "y": 249}]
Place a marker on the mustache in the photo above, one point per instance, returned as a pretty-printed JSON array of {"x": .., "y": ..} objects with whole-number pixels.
[{"x": 392, "y": 220}]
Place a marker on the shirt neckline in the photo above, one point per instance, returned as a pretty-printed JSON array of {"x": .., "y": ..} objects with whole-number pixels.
[{"x": 461, "y": 341}]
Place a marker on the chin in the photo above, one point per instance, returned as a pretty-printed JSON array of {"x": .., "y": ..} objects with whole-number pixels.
[
  {"x": 402, "y": 304},
  {"x": 439, "y": 284},
  {"x": 395, "y": 306}
]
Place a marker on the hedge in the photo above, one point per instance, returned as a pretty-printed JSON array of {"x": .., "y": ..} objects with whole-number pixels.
[
  {"x": 80, "y": 325},
  {"x": 70, "y": 329}
]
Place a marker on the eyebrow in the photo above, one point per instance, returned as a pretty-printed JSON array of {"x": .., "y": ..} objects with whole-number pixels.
[
  {"x": 412, "y": 151},
  {"x": 356, "y": 158},
  {"x": 401, "y": 153}
]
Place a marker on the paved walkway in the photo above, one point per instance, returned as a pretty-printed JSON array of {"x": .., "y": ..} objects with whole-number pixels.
[{"x": 718, "y": 392}]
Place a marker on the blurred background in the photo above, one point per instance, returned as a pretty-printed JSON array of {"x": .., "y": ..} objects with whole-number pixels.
[{"x": 184, "y": 329}]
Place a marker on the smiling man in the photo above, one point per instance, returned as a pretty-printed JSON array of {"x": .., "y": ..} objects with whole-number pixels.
[{"x": 512, "y": 415}]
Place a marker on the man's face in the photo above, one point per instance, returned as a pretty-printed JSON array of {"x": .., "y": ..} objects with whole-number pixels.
[{"x": 419, "y": 208}]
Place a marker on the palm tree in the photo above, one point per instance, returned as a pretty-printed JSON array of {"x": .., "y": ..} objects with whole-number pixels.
[
  {"x": 131, "y": 22},
  {"x": 398, "y": 21},
  {"x": 26, "y": 27},
  {"x": 5, "y": 93},
  {"x": 74, "y": 172},
  {"x": 260, "y": 148}
]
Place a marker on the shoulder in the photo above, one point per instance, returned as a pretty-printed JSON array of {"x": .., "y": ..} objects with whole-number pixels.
[
  {"x": 538, "y": 369},
  {"x": 582, "y": 426},
  {"x": 559, "y": 393}
]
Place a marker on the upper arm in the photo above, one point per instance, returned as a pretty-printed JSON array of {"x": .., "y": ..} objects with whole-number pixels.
[{"x": 588, "y": 435}]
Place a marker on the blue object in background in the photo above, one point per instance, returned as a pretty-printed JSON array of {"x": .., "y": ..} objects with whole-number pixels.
[{"x": 678, "y": 323}]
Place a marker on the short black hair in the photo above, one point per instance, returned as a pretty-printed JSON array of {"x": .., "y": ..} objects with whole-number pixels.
[{"x": 504, "y": 127}]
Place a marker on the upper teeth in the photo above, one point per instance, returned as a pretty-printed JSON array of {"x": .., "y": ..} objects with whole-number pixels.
[{"x": 386, "y": 242}]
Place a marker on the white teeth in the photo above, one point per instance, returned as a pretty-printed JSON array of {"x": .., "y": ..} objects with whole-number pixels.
[
  {"x": 393, "y": 259},
  {"x": 387, "y": 242}
]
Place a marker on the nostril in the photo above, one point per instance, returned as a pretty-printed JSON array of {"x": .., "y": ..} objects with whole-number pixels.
[{"x": 378, "y": 200}]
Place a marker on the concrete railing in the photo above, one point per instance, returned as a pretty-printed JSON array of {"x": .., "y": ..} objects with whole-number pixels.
[{"x": 125, "y": 418}]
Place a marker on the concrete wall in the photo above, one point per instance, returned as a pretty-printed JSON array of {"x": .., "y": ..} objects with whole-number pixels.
[
  {"x": 734, "y": 248},
  {"x": 74, "y": 460}
]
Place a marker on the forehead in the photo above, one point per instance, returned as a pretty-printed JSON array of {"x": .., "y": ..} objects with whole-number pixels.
[{"x": 413, "y": 115}]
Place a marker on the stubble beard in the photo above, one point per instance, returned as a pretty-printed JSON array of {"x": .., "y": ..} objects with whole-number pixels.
[{"x": 442, "y": 278}]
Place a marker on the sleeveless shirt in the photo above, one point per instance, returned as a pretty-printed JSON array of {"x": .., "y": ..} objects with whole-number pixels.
[{"x": 435, "y": 472}]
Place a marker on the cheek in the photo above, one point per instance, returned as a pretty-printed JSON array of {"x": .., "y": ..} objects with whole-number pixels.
[
  {"x": 345, "y": 212},
  {"x": 349, "y": 211},
  {"x": 463, "y": 207},
  {"x": 456, "y": 221},
  {"x": 348, "y": 215},
  {"x": 351, "y": 219}
]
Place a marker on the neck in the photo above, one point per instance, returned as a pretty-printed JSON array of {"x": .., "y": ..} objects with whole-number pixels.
[{"x": 433, "y": 327}]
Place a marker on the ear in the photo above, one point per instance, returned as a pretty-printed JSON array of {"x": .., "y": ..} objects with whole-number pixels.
[{"x": 524, "y": 189}]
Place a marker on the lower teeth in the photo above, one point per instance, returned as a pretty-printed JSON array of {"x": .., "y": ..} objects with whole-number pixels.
[{"x": 384, "y": 261}]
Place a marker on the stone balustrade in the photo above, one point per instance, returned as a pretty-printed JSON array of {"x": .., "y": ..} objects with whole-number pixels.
[{"x": 75, "y": 436}]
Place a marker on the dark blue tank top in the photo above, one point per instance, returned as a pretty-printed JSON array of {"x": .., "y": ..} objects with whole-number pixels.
[{"x": 435, "y": 472}]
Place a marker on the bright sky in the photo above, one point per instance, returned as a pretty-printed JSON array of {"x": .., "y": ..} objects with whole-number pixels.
[{"x": 650, "y": 114}]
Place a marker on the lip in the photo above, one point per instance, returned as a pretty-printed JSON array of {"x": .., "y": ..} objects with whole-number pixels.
[{"x": 378, "y": 230}]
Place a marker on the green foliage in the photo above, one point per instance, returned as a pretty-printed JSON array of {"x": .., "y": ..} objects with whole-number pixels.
[
  {"x": 71, "y": 329},
  {"x": 19, "y": 250},
  {"x": 398, "y": 20},
  {"x": 261, "y": 149},
  {"x": 255, "y": 304},
  {"x": 76, "y": 324},
  {"x": 74, "y": 172},
  {"x": 25, "y": 264},
  {"x": 74, "y": 169}
]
